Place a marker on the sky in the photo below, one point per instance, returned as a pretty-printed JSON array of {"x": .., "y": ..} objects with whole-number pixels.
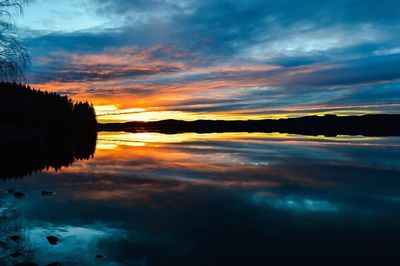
[{"x": 220, "y": 59}]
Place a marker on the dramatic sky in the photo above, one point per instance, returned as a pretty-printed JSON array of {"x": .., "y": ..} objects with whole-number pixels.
[{"x": 229, "y": 59}]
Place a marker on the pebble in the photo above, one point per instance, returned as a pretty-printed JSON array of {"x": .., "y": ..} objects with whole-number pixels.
[
  {"x": 53, "y": 240},
  {"x": 19, "y": 194},
  {"x": 26, "y": 263},
  {"x": 16, "y": 254},
  {"x": 48, "y": 193},
  {"x": 15, "y": 238}
]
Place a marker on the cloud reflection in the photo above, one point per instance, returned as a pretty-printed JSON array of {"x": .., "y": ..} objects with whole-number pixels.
[
  {"x": 191, "y": 200},
  {"x": 295, "y": 204}
]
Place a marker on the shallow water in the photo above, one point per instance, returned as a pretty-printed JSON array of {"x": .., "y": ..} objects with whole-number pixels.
[{"x": 212, "y": 199}]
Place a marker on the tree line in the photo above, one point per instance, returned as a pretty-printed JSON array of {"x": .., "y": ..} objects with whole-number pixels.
[
  {"x": 41, "y": 130},
  {"x": 23, "y": 106}
]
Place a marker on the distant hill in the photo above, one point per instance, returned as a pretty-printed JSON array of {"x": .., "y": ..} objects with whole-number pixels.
[{"x": 328, "y": 125}]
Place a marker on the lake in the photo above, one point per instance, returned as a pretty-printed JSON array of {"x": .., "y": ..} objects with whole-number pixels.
[{"x": 211, "y": 199}]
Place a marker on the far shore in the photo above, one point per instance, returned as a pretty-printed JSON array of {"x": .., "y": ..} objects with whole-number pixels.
[{"x": 328, "y": 125}]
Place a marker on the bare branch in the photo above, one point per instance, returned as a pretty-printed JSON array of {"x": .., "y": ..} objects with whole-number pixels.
[{"x": 13, "y": 55}]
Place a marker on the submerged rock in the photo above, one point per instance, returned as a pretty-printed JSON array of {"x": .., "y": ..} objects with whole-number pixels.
[
  {"x": 19, "y": 194},
  {"x": 16, "y": 254},
  {"x": 53, "y": 240},
  {"x": 15, "y": 238},
  {"x": 53, "y": 264},
  {"x": 47, "y": 193},
  {"x": 100, "y": 257},
  {"x": 26, "y": 263}
]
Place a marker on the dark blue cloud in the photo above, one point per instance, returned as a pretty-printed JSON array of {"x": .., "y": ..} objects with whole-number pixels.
[
  {"x": 327, "y": 51},
  {"x": 42, "y": 44},
  {"x": 231, "y": 28},
  {"x": 226, "y": 26}
]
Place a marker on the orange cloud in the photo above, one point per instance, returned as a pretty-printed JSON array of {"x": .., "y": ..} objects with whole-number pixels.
[{"x": 164, "y": 82}]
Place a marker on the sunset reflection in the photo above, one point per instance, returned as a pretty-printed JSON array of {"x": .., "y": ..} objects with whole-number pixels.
[
  {"x": 108, "y": 140},
  {"x": 110, "y": 151},
  {"x": 197, "y": 184},
  {"x": 138, "y": 166}
]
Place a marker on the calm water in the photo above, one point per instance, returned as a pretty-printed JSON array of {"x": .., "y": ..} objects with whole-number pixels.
[{"x": 212, "y": 199}]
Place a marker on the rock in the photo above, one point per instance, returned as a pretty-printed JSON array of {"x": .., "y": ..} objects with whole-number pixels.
[
  {"x": 15, "y": 238},
  {"x": 3, "y": 245},
  {"x": 48, "y": 193},
  {"x": 53, "y": 240},
  {"x": 100, "y": 257},
  {"x": 26, "y": 263},
  {"x": 16, "y": 254},
  {"x": 19, "y": 194},
  {"x": 53, "y": 264}
]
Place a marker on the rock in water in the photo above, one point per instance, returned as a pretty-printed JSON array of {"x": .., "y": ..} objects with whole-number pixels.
[
  {"x": 16, "y": 254},
  {"x": 26, "y": 263},
  {"x": 3, "y": 245},
  {"x": 19, "y": 194},
  {"x": 15, "y": 238},
  {"x": 100, "y": 257},
  {"x": 48, "y": 193},
  {"x": 53, "y": 240},
  {"x": 53, "y": 264}
]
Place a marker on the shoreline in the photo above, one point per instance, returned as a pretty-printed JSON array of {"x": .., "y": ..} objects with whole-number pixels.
[{"x": 328, "y": 125}]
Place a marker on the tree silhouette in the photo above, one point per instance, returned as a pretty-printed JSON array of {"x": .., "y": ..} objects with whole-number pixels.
[
  {"x": 50, "y": 111},
  {"x": 13, "y": 55},
  {"x": 41, "y": 130}
]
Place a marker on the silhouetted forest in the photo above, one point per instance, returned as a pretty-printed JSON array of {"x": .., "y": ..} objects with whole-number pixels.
[
  {"x": 23, "y": 106},
  {"x": 328, "y": 125},
  {"x": 41, "y": 130}
]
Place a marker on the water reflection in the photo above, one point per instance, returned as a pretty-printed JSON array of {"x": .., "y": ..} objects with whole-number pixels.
[
  {"x": 22, "y": 157},
  {"x": 218, "y": 199}
]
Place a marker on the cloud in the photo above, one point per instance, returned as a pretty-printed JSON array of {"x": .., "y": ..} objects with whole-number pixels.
[
  {"x": 112, "y": 64},
  {"x": 226, "y": 55},
  {"x": 227, "y": 27}
]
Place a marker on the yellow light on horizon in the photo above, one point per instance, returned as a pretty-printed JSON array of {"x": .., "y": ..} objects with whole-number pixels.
[
  {"x": 105, "y": 108},
  {"x": 114, "y": 140},
  {"x": 117, "y": 116},
  {"x": 114, "y": 114}
]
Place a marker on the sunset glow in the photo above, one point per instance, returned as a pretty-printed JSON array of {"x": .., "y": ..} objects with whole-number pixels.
[
  {"x": 199, "y": 132},
  {"x": 169, "y": 60}
]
